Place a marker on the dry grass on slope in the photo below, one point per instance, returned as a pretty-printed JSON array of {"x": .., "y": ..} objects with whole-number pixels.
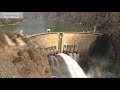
[
  {"x": 32, "y": 63},
  {"x": 38, "y": 56},
  {"x": 17, "y": 62}
]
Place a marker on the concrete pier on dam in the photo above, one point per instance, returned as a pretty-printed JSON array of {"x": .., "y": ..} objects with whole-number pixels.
[{"x": 65, "y": 42}]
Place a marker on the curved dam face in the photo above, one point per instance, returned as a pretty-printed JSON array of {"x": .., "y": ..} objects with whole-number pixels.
[
  {"x": 76, "y": 42},
  {"x": 63, "y": 66}
]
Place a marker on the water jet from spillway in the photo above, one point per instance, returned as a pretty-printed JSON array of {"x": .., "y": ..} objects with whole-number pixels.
[{"x": 66, "y": 67}]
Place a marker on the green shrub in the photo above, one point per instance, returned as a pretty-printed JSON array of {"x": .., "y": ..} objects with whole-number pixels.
[
  {"x": 14, "y": 40},
  {"x": 25, "y": 40},
  {"x": 31, "y": 53}
]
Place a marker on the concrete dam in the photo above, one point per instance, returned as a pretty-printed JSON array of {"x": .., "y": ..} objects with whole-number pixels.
[
  {"x": 65, "y": 42},
  {"x": 64, "y": 50}
]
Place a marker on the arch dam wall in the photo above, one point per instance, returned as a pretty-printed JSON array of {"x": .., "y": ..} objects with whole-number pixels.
[{"x": 54, "y": 42}]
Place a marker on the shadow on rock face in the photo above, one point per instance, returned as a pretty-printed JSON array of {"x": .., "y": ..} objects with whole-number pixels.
[{"x": 106, "y": 50}]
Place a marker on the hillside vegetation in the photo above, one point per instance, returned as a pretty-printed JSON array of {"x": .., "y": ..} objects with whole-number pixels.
[{"x": 22, "y": 61}]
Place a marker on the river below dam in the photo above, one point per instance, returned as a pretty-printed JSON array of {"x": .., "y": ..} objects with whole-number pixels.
[{"x": 34, "y": 26}]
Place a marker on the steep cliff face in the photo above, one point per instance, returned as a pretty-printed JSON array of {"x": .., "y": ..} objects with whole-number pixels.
[
  {"x": 106, "y": 49},
  {"x": 107, "y": 45}
]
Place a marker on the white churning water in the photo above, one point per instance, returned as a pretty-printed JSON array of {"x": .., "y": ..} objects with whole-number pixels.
[{"x": 68, "y": 67}]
